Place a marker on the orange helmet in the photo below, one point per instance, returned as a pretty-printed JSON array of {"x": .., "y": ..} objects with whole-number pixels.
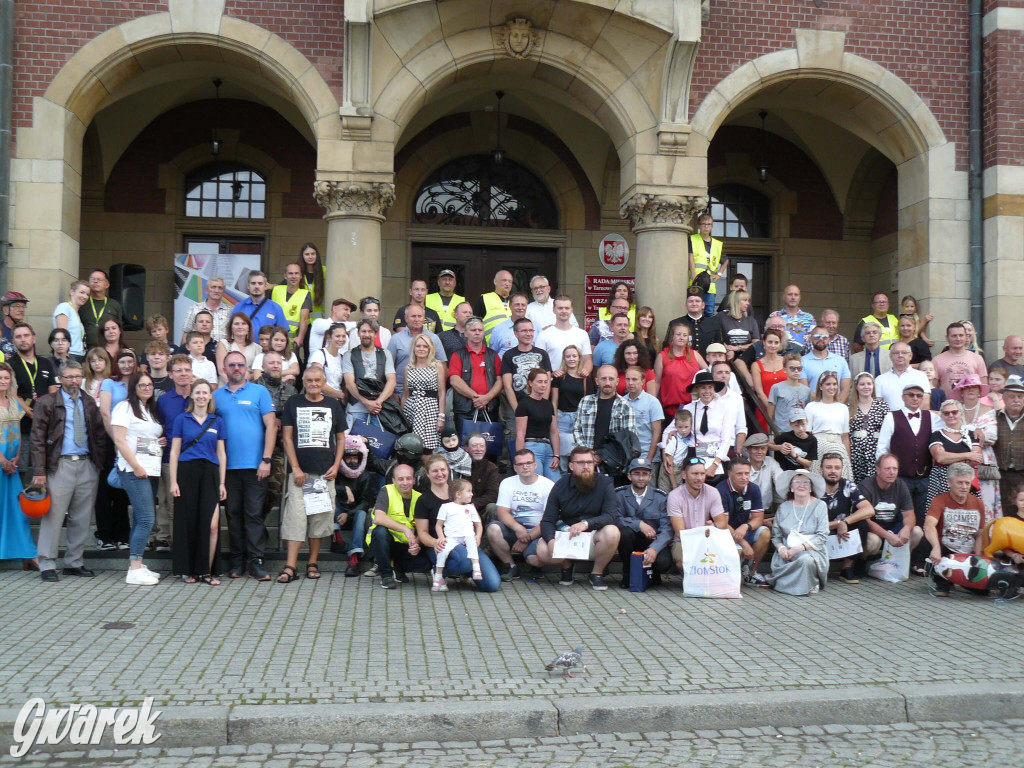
[{"x": 35, "y": 501}]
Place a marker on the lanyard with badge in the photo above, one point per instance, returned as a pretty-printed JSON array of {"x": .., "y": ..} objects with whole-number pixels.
[
  {"x": 32, "y": 373},
  {"x": 97, "y": 315}
]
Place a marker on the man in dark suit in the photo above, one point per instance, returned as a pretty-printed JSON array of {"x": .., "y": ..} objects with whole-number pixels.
[
  {"x": 67, "y": 447},
  {"x": 643, "y": 522}
]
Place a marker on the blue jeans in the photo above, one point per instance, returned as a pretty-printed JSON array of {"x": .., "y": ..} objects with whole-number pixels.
[
  {"x": 543, "y": 453},
  {"x": 357, "y": 522},
  {"x": 142, "y": 495},
  {"x": 458, "y": 564},
  {"x": 566, "y": 421},
  {"x": 710, "y": 304}
]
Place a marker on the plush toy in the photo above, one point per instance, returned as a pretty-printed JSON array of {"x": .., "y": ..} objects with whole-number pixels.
[
  {"x": 1007, "y": 535},
  {"x": 980, "y": 573}
]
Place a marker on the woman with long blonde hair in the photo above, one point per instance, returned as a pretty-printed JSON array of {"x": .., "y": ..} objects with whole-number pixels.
[{"x": 423, "y": 397}]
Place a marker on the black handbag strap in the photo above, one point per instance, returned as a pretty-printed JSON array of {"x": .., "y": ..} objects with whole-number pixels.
[{"x": 210, "y": 419}]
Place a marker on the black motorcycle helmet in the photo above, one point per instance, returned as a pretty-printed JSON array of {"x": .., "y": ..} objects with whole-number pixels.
[{"x": 408, "y": 447}]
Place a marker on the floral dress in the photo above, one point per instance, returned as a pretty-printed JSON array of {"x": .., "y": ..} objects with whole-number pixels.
[
  {"x": 986, "y": 422},
  {"x": 15, "y": 534},
  {"x": 421, "y": 404},
  {"x": 864, "y": 429}
]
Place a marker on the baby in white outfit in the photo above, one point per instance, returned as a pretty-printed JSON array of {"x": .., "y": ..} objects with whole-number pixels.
[{"x": 461, "y": 526}]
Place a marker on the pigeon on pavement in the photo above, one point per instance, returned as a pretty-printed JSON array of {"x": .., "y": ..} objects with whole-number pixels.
[{"x": 568, "y": 661}]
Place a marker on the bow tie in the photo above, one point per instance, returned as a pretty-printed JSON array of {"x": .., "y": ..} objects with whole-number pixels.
[{"x": 914, "y": 415}]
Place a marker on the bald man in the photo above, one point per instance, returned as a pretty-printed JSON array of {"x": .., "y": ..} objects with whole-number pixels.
[
  {"x": 493, "y": 308},
  {"x": 1013, "y": 348}
]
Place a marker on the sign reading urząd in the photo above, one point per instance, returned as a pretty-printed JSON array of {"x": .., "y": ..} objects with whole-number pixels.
[{"x": 82, "y": 724}]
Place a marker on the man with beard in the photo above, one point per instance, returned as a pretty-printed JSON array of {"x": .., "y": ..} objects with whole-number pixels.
[
  {"x": 821, "y": 360},
  {"x": 848, "y": 510},
  {"x": 34, "y": 377},
  {"x": 585, "y": 501},
  {"x": 280, "y": 392},
  {"x": 643, "y": 523},
  {"x": 603, "y": 414},
  {"x": 367, "y": 362}
]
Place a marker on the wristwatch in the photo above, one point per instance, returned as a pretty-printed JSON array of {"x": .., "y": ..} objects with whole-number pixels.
[{"x": 266, "y": 459}]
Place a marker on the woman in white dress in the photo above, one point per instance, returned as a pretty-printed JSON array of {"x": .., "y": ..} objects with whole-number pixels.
[
  {"x": 799, "y": 533},
  {"x": 829, "y": 422}
]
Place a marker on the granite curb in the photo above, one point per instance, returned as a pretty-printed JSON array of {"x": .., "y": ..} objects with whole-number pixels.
[{"x": 381, "y": 723}]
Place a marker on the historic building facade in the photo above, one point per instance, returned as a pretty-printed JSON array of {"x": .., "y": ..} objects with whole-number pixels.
[{"x": 831, "y": 142}]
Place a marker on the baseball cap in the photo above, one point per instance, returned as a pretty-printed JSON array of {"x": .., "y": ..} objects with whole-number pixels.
[
  {"x": 444, "y": 272},
  {"x": 797, "y": 414}
]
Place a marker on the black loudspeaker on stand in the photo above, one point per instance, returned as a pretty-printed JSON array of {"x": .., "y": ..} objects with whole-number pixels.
[{"x": 128, "y": 286}]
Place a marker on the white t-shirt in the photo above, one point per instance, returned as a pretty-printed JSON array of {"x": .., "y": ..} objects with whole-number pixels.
[
  {"x": 146, "y": 427},
  {"x": 525, "y": 502},
  {"x": 458, "y": 519},
  {"x": 828, "y": 418},
  {"x": 332, "y": 364},
  {"x": 204, "y": 369},
  {"x": 553, "y": 341}
]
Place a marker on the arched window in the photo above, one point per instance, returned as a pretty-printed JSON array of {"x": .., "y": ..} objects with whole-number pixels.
[
  {"x": 739, "y": 212},
  {"x": 226, "y": 191},
  {"x": 475, "y": 191}
]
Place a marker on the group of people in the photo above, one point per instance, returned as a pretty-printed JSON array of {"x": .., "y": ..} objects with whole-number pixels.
[{"x": 393, "y": 438}]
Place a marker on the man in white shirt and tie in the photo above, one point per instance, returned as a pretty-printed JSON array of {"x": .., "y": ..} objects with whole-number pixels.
[
  {"x": 905, "y": 434},
  {"x": 889, "y": 385}
]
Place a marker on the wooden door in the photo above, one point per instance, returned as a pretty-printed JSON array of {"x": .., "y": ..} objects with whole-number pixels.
[{"x": 475, "y": 266}]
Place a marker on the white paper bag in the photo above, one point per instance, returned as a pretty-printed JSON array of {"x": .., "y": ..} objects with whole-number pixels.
[
  {"x": 894, "y": 565},
  {"x": 711, "y": 563}
]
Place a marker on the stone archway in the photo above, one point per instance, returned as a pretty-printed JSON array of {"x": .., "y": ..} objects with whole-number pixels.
[
  {"x": 46, "y": 213},
  {"x": 882, "y": 110}
]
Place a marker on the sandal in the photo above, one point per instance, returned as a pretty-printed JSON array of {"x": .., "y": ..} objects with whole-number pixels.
[
  {"x": 213, "y": 581},
  {"x": 312, "y": 570},
  {"x": 287, "y": 575},
  {"x": 189, "y": 579}
]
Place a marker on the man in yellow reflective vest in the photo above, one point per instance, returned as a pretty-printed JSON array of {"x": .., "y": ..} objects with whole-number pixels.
[
  {"x": 880, "y": 316},
  {"x": 445, "y": 300},
  {"x": 392, "y": 537},
  {"x": 493, "y": 307},
  {"x": 295, "y": 301},
  {"x": 706, "y": 256}
]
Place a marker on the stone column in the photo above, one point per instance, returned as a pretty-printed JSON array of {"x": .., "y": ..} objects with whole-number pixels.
[
  {"x": 355, "y": 211},
  {"x": 662, "y": 223}
]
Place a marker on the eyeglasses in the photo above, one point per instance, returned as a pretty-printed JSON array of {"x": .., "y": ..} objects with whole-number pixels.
[
  {"x": 913, "y": 394},
  {"x": 526, "y": 463},
  {"x": 583, "y": 463},
  {"x": 234, "y": 365},
  {"x": 145, "y": 385},
  {"x": 950, "y": 413},
  {"x": 795, "y": 367}
]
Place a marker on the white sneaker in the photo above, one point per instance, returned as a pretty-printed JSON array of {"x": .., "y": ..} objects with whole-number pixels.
[
  {"x": 146, "y": 569},
  {"x": 141, "y": 577}
]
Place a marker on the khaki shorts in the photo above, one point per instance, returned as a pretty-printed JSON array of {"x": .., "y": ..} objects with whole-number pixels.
[{"x": 296, "y": 525}]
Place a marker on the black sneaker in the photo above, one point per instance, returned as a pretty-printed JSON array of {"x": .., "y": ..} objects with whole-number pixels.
[
  {"x": 105, "y": 545},
  {"x": 848, "y": 576},
  {"x": 401, "y": 577},
  {"x": 352, "y": 569},
  {"x": 535, "y": 573},
  {"x": 163, "y": 546},
  {"x": 387, "y": 582},
  {"x": 566, "y": 579},
  {"x": 511, "y": 573},
  {"x": 597, "y": 582}
]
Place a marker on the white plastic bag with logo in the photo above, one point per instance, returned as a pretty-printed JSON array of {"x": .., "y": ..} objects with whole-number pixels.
[
  {"x": 894, "y": 566},
  {"x": 711, "y": 563}
]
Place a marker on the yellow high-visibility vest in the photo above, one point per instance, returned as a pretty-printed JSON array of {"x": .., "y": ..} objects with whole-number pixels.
[
  {"x": 292, "y": 306},
  {"x": 701, "y": 259},
  {"x": 434, "y": 302}
]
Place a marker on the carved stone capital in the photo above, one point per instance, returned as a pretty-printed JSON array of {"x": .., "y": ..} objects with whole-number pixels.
[
  {"x": 662, "y": 211},
  {"x": 351, "y": 198}
]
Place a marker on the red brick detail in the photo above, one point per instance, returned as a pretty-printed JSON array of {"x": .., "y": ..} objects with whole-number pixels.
[
  {"x": 1004, "y": 98},
  {"x": 923, "y": 42},
  {"x": 132, "y": 186},
  {"x": 49, "y": 32},
  {"x": 818, "y": 215}
]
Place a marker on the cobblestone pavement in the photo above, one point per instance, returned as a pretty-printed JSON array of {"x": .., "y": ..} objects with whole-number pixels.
[
  {"x": 944, "y": 745},
  {"x": 344, "y": 640}
]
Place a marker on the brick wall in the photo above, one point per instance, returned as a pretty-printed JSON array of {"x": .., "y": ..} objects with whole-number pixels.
[
  {"x": 48, "y": 32},
  {"x": 924, "y": 42},
  {"x": 1004, "y": 98},
  {"x": 132, "y": 186}
]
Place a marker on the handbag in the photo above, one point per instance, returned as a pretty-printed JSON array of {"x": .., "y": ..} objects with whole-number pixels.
[
  {"x": 493, "y": 432},
  {"x": 114, "y": 478},
  {"x": 639, "y": 574},
  {"x": 380, "y": 441},
  {"x": 988, "y": 472},
  {"x": 711, "y": 563}
]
